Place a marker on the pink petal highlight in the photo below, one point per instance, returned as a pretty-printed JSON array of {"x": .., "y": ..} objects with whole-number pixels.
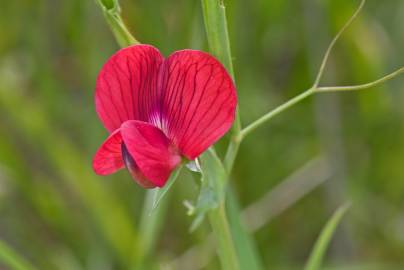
[
  {"x": 152, "y": 151},
  {"x": 108, "y": 158},
  {"x": 126, "y": 87},
  {"x": 198, "y": 101}
]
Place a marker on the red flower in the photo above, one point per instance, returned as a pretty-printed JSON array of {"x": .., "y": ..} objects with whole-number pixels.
[{"x": 159, "y": 110}]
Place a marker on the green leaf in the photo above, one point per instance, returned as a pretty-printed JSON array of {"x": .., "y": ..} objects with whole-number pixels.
[
  {"x": 160, "y": 192},
  {"x": 213, "y": 172},
  {"x": 320, "y": 247},
  {"x": 206, "y": 201},
  {"x": 212, "y": 186},
  {"x": 11, "y": 259}
]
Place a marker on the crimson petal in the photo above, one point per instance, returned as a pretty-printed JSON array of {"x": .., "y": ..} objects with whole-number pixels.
[
  {"x": 126, "y": 86},
  {"x": 108, "y": 158},
  {"x": 151, "y": 150},
  {"x": 198, "y": 101}
]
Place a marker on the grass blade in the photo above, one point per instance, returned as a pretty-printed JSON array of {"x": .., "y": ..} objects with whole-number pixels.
[
  {"x": 11, "y": 259},
  {"x": 320, "y": 247}
]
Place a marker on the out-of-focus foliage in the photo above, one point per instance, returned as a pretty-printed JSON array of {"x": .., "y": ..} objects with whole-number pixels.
[{"x": 58, "y": 215}]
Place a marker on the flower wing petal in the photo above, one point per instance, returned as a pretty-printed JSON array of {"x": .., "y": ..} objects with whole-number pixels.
[
  {"x": 151, "y": 150},
  {"x": 198, "y": 101},
  {"x": 126, "y": 87},
  {"x": 108, "y": 158}
]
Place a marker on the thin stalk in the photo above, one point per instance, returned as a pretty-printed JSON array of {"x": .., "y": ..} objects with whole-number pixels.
[
  {"x": 275, "y": 112},
  {"x": 150, "y": 224},
  {"x": 315, "y": 88},
  {"x": 335, "y": 39},
  {"x": 121, "y": 33},
  {"x": 214, "y": 14},
  {"x": 329, "y": 125},
  {"x": 221, "y": 231},
  {"x": 112, "y": 14},
  {"x": 232, "y": 150},
  {"x": 245, "y": 131},
  {"x": 310, "y": 91},
  {"x": 360, "y": 86}
]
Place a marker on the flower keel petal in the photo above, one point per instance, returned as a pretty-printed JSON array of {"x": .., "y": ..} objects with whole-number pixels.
[
  {"x": 134, "y": 169},
  {"x": 151, "y": 150}
]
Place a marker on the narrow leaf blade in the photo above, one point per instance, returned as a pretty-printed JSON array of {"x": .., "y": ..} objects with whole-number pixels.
[
  {"x": 322, "y": 242},
  {"x": 162, "y": 191}
]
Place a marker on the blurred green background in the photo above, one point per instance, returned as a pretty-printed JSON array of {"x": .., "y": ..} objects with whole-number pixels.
[{"x": 290, "y": 175}]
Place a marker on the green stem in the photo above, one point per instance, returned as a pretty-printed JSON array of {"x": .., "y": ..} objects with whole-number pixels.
[
  {"x": 275, "y": 112},
  {"x": 121, "y": 33},
  {"x": 308, "y": 92},
  {"x": 214, "y": 13},
  {"x": 232, "y": 151},
  {"x": 334, "y": 40},
  {"x": 150, "y": 224},
  {"x": 311, "y": 91},
  {"x": 315, "y": 88},
  {"x": 360, "y": 86},
  {"x": 112, "y": 14},
  {"x": 221, "y": 231}
]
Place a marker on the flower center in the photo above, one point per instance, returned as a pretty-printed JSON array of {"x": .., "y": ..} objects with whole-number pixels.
[{"x": 159, "y": 121}]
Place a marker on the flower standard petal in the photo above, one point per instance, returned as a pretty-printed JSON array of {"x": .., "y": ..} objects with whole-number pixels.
[
  {"x": 108, "y": 158},
  {"x": 126, "y": 87},
  {"x": 198, "y": 101},
  {"x": 151, "y": 150}
]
